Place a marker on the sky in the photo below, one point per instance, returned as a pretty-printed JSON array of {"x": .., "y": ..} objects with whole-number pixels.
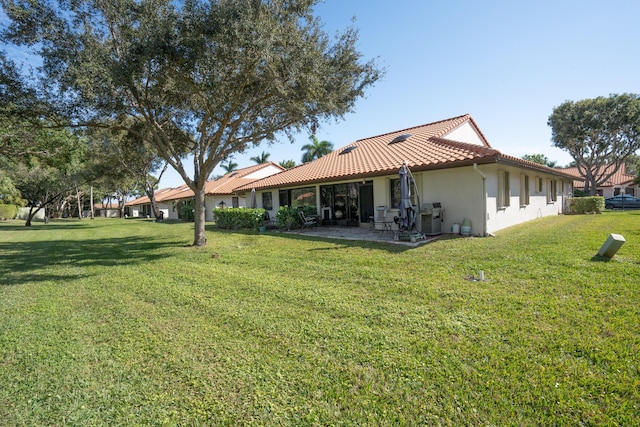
[{"x": 506, "y": 63}]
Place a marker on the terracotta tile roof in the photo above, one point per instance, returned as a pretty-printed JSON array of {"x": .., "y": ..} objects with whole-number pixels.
[
  {"x": 426, "y": 148},
  {"x": 619, "y": 177},
  {"x": 176, "y": 193},
  {"x": 225, "y": 185},
  {"x": 113, "y": 205}
]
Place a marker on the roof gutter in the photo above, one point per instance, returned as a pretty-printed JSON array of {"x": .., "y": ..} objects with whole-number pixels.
[{"x": 484, "y": 198}]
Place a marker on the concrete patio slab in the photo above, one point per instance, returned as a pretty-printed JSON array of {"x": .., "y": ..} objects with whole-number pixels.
[{"x": 359, "y": 233}]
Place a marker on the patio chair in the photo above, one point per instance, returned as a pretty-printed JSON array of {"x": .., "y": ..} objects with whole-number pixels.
[
  {"x": 380, "y": 222},
  {"x": 306, "y": 222}
]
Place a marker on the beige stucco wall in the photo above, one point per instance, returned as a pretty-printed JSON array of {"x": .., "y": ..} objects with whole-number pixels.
[
  {"x": 463, "y": 195},
  {"x": 539, "y": 206},
  {"x": 213, "y": 202},
  {"x": 460, "y": 193}
]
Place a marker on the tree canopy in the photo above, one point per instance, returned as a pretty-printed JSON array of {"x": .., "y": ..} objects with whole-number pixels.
[
  {"x": 288, "y": 164},
  {"x": 262, "y": 158},
  {"x": 315, "y": 149},
  {"x": 540, "y": 159},
  {"x": 597, "y": 133},
  {"x": 205, "y": 78}
]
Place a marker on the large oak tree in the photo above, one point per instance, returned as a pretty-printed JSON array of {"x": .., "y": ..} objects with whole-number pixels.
[
  {"x": 597, "y": 133},
  {"x": 205, "y": 78}
]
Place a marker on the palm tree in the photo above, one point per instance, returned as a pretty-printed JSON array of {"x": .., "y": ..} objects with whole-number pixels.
[
  {"x": 229, "y": 167},
  {"x": 288, "y": 164},
  {"x": 315, "y": 149},
  {"x": 263, "y": 158}
]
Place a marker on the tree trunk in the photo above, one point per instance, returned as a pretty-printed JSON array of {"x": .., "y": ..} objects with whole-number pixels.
[
  {"x": 121, "y": 202},
  {"x": 91, "y": 201},
  {"x": 61, "y": 210},
  {"x": 78, "y": 200},
  {"x": 199, "y": 214},
  {"x": 31, "y": 215}
]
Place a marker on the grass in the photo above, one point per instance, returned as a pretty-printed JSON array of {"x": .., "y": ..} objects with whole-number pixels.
[{"x": 114, "y": 322}]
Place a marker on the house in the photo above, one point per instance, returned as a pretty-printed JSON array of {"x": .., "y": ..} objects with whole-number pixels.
[
  {"x": 453, "y": 165},
  {"x": 107, "y": 210},
  {"x": 618, "y": 181},
  {"x": 141, "y": 207},
  {"x": 220, "y": 193}
]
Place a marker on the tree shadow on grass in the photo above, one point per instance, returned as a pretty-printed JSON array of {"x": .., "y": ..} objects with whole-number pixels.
[{"x": 24, "y": 262}]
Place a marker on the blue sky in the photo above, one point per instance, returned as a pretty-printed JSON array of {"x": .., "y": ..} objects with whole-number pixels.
[{"x": 507, "y": 63}]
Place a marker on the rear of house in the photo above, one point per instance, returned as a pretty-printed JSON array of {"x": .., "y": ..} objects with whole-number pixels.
[{"x": 454, "y": 168}]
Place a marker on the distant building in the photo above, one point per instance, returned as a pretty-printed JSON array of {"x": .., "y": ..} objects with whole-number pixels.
[
  {"x": 220, "y": 193},
  {"x": 619, "y": 181}
]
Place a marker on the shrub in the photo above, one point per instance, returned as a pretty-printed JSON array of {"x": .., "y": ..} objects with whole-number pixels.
[
  {"x": 583, "y": 205},
  {"x": 288, "y": 217},
  {"x": 239, "y": 218},
  {"x": 186, "y": 212},
  {"x": 8, "y": 211}
]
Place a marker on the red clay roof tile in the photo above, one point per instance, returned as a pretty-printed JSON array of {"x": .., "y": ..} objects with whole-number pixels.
[{"x": 427, "y": 147}]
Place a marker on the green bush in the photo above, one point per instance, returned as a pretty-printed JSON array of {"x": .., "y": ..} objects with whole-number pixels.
[
  {"x": 288, "y": 217},
  {"x": 8, "y": 211},
  {"x": 583, "y": 205},
  {"x": 186, "y": 212},
  {"x": 236, "y": 218}
]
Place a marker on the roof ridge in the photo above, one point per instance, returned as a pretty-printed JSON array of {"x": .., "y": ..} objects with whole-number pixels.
[{"x": 452, "y": 119}]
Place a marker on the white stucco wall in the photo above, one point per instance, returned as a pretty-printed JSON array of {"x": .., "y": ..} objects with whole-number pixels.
[
  {"x": 213, "y": 202},
  {"x": 539, "y": 206},
  {"x": 460, "y": 193},
  {"x": 465, "y": 133},
  {"x": 463, "y": 195},
  {"x": 23, "y": 213},
  {"x": 263, "y": 172},
  {"x": 167, "y": 211}
]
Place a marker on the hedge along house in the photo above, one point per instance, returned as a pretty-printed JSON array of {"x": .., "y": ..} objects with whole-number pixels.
[
  {"x": 175, "y": 203},
  {"x": 452, "y": 164}
]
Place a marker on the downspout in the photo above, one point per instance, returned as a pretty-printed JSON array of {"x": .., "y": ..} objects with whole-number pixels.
[{"x": 484, "y": 199}]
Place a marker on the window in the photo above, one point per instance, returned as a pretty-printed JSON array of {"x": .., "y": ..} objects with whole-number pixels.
[
  {"x": 524, "y": 190},
  {"x": 284, "y": 197},
  {"x": 552, "y": 191},
  {"x": 539, "y": 188},
  {"x": 267, "y": 201},
  {"x": 504, "y": 190},
  {"x": 305, "y": 196},
  {"x": 395, "y": 194},
  {"x": 234, "y": 202},
  {"x": 342, "y": 200}
]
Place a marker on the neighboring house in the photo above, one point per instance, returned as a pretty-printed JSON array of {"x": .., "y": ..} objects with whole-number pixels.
[
  {"x": 220, "y": 193},
  {"x": 620, "y": 180},
  {"x": 108, "y": 210},
  {"x": 141, "y": 207},
  {"x": 452, "y": 163}
]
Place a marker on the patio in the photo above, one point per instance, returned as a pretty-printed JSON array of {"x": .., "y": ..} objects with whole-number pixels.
[{"x": 359, "y": 233}]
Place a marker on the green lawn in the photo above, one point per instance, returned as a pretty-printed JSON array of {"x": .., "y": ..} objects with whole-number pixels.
[{"x": 121, "y": 322}]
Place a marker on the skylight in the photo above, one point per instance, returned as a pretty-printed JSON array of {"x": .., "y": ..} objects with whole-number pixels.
[
  {"x": 400, "y": 138},
  {"x": 348, "y": 149}
]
